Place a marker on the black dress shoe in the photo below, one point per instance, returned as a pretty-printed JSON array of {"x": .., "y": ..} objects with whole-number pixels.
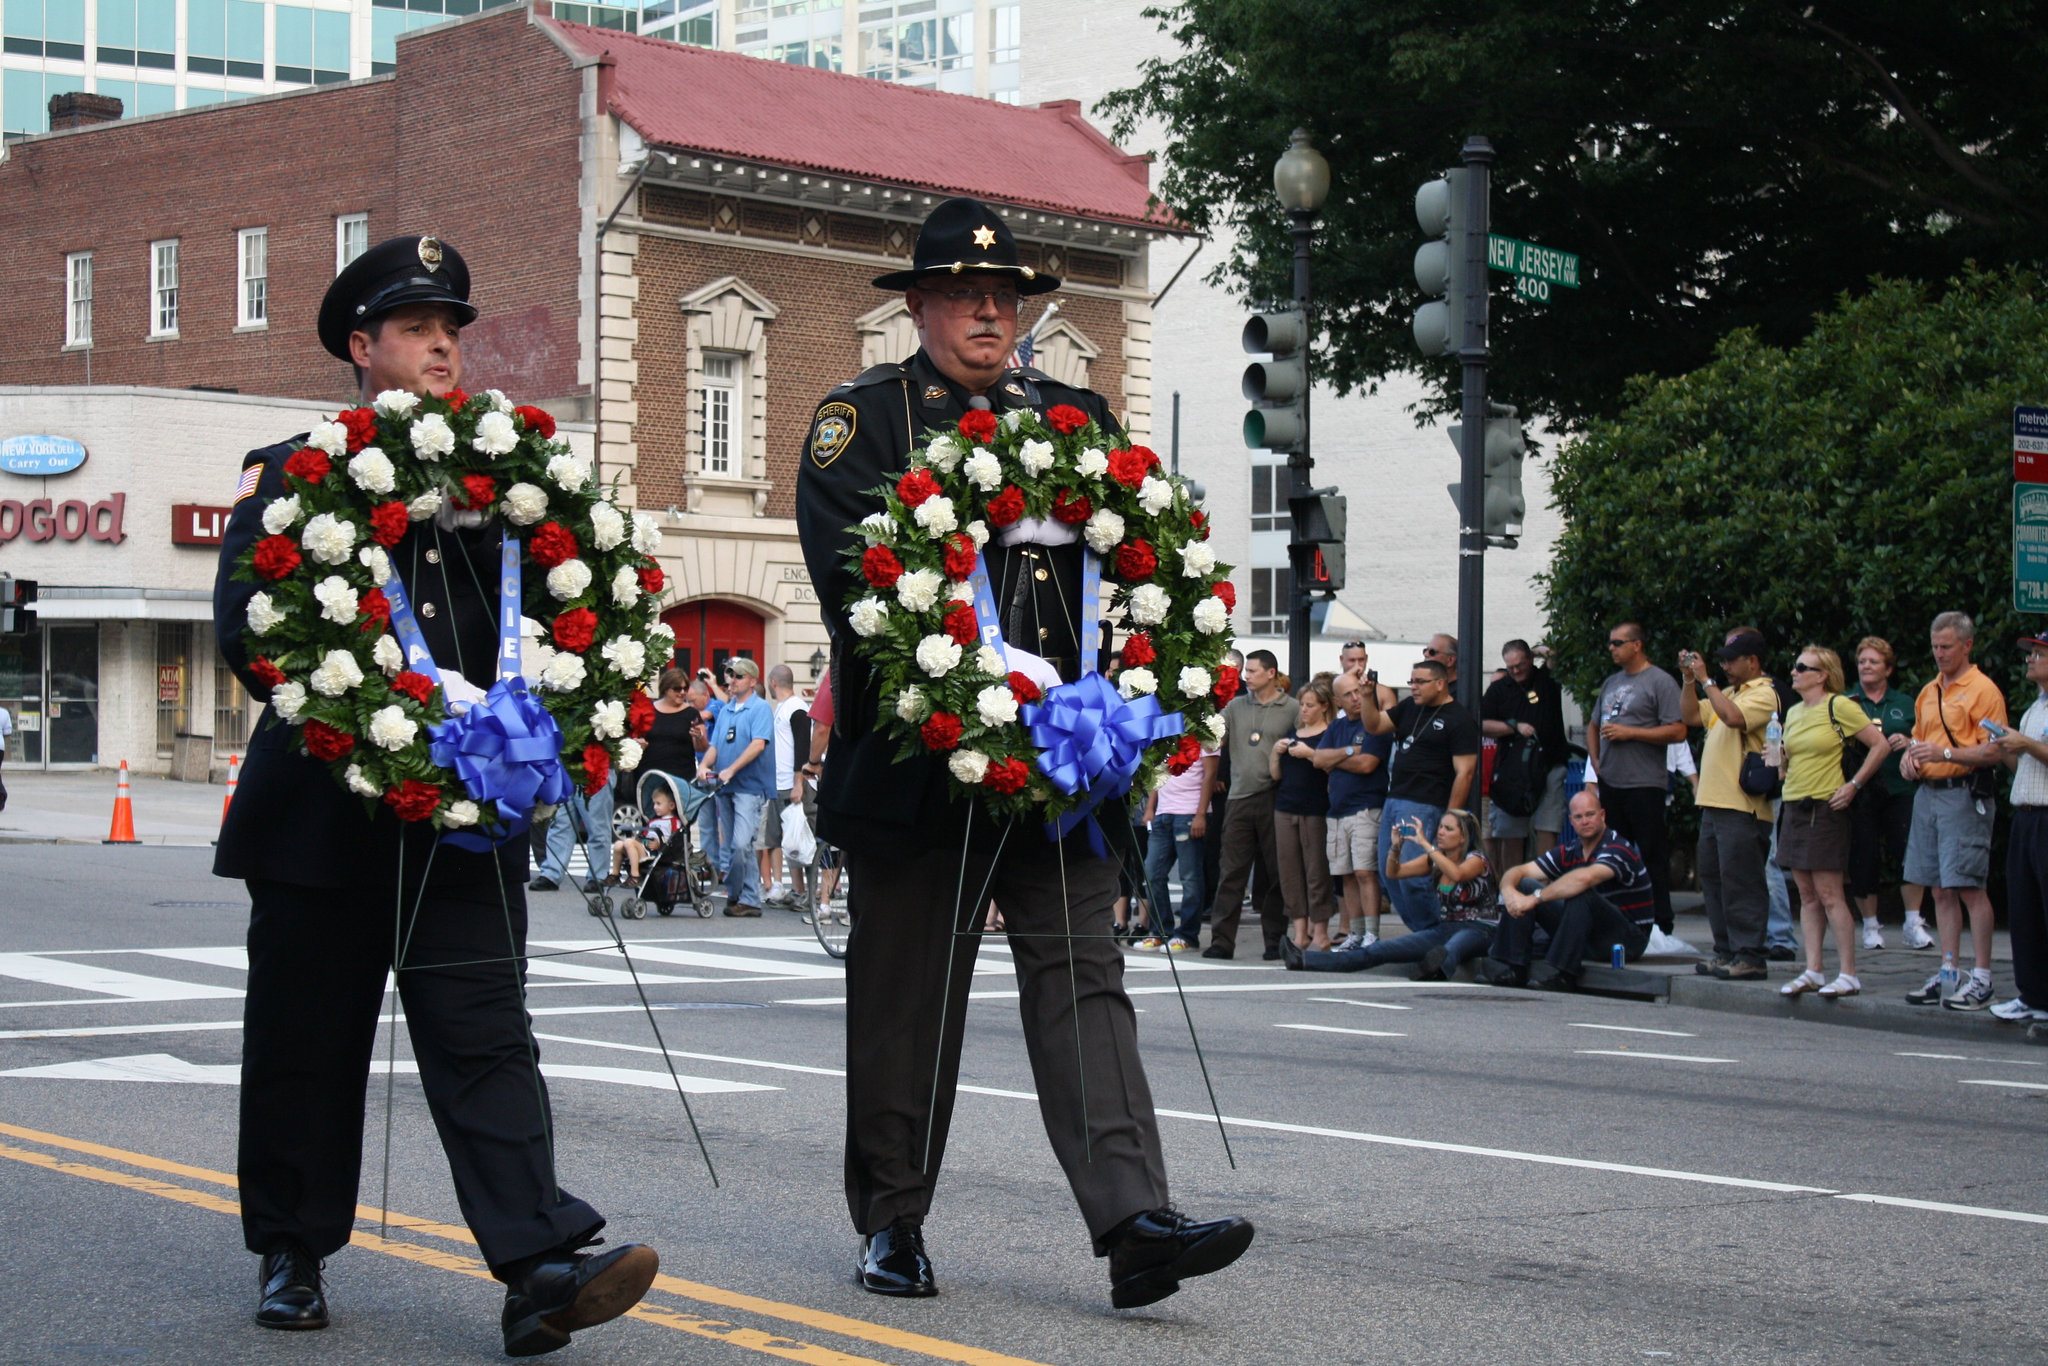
[
  {"x": 1780, "y": 954},
  {"x": 1219, "y": 951},
  {"x": 893, "y": 1262},
  {"x": 1290, "y": 953},
  {"x": 541, "y": 884},
  {"x": 1150, "y": 1254},
  {"x": 292, "y": 1297},
  {"x": 1272, "y": 953},
  {"x": 562, "y": 1292}
]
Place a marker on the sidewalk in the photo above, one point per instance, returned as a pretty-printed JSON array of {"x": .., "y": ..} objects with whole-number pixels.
[{"x": 78, "y": 808}]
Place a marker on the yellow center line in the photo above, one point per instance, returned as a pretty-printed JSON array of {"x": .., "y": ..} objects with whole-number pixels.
[{"x": 753, "y": 1339}]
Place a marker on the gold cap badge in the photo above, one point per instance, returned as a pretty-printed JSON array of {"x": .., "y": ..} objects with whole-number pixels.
[{"x": 430, "y": 252}]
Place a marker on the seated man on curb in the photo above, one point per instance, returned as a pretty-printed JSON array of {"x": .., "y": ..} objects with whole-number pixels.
[{"x": 1590, "y": 898}]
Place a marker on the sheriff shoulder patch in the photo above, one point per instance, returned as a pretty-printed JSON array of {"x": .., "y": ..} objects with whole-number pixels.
[{"x": 832, "y": 432}]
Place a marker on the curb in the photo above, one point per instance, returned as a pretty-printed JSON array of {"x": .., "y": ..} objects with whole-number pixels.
[{"x": 1856, "y": 1012}]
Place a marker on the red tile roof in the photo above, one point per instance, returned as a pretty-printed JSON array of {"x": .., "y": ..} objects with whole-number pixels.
[{"x": 691, "y": 98}]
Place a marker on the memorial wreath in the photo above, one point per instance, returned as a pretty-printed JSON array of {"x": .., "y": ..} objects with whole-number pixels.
[
  {"x": 927, "y": 621},
  {"x": 332, "y": 635}
]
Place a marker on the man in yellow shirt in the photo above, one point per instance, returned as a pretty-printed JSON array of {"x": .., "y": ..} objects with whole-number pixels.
[{"x": 1735, "y": 826}]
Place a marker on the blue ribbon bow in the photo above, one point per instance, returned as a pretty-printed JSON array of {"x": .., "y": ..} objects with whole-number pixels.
[
  {"x": 1091, "y": 739},
  {"x": 507, "y": 750}
]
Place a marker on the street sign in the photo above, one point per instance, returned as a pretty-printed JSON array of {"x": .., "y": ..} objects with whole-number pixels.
[
  {"x": 2030, "y": 444},
  {"x": 2029, "y": 548},
  {"x": 1535, "y": 268}
]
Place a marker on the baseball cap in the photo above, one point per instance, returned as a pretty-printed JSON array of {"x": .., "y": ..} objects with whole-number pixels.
[{"x": 1748, "y": 643}]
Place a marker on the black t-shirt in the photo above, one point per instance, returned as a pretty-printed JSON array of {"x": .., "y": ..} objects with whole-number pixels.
[
  {"x": 668, "y": 744},
  {"x": 1304, "y": 789},
  {"x": 1425, "y": 739},
  {"x": 1538, "y": 702}
]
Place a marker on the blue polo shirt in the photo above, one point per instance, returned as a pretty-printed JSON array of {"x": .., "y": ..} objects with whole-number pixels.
[
  {"x": 737, "y": 725},
  {"x": 1351, "y": 793}
]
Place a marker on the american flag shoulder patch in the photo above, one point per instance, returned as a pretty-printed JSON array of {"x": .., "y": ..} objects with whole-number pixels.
[{"x": 250, "y": 478}]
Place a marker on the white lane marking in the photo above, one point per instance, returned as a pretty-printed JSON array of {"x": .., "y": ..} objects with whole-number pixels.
[
  {"x": 124, "y": 986},
  {"x": 1963, "y": 1057},
  {"x": 2014, "y": 1085},
  {"x": 1631, "y": 1029},
  {"x": 588, "y": 976},
  {"x": 1339, "y": 1029},
  {"x": 1945, "y": 1057},
  {"x": 230, "y": 956},
  {"x": 162, "y": 1067},
  {"x": 695, "y": 958},
  {"x": 1346, "y": 1001},
  {"x": 814, "y": 1001},
  {"x": 698, "y": 1057},
  {"x": 1637, "y": 1053},
  {"x": 196, "y": 1026},
  {"x": 1191, "y": 989},
  {"x": 1942, "y": 1207}
]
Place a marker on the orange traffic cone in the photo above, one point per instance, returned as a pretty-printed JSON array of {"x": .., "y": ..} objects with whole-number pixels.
[
  {"x": 234, "y": 773},
  {"x": 123, "y": 830}
]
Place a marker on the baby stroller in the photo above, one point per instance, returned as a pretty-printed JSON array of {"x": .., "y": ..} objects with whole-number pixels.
[{"x": 675, "y": 874}]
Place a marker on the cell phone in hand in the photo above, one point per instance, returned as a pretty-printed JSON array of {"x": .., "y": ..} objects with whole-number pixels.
[{"x": 1995, "y": 729}]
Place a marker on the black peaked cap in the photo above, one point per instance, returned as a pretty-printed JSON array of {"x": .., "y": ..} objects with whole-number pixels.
[{"x": 395, "y": 272}]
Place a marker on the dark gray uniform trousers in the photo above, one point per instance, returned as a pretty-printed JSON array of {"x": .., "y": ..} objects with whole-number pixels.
[{"x": 904, "y": 1023}]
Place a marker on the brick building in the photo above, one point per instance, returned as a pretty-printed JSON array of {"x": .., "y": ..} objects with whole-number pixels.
[{"x": 670, "y": 244}]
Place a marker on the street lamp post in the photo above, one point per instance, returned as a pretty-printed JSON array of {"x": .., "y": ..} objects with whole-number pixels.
[{"x": 1301, "y": 179}]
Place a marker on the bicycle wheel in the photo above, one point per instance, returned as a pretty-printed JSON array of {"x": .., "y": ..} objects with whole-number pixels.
[{"x": 833, "y": 928}]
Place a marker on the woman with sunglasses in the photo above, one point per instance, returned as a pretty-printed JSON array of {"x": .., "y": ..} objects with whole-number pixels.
[
  {"x": 1466, "y": 897},
  {"x": 1813, "y": 820}
]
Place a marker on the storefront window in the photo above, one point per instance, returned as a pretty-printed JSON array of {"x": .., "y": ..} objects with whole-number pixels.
[
  {"x": 70, "y": 723},
  {"x": 230, "y": 709}
]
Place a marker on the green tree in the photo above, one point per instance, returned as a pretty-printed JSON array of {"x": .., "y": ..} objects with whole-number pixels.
[
  {"x": 1857, "y": 483},
  {"x": 1717, "y": 163}
]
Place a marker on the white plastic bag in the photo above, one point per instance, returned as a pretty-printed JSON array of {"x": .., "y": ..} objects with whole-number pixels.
[{"x": 798, "y": 844}]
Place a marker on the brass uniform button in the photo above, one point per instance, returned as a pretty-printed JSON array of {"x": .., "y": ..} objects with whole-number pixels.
[
  {"x": 1044, "y": 632},
  {"x": 1039, "y": 574},
  {"x": 433, "y": 557},
  {"x": 427, "y": 609}
]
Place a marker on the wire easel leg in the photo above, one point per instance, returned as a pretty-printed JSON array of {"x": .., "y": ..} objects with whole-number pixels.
[
  {"x": 931, "y": 1112},
  {"x": 540, "y": 1095},
  {"x": 1074, "y": 986},
  {"x": 398, "y": 938}
]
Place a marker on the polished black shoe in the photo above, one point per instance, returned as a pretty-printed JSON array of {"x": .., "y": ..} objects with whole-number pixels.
[
  {"x": 1290, "y": 953},
  {"x": 563, "y": 1292},
  {"x": 1219, "y": 951},
  {"x": 1150, "y": 1254},
  {"x": 541, "y": 884},
  {"x": 893, "y": 1262},
  {"x": 292, "y": 1298}
]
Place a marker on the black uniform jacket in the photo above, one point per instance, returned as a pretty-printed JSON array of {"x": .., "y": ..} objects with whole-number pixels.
[
  {"x": 290, "y": 820},
  {"x": 867, "y": 801}
]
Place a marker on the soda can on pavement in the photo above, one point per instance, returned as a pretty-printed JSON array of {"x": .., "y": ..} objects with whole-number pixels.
[{"x": 1619, "y": 956}]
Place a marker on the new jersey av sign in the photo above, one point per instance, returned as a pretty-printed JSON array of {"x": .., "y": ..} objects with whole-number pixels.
[{"x": 40, "y": 455}]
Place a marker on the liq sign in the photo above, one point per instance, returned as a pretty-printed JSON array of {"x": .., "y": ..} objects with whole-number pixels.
[{"x": 37, "y": 456}]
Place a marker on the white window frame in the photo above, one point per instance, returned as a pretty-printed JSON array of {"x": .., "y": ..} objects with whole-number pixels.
[
  {"x": 252, "y": 272},
  {"x": 78, "y": 299},
  {"x": 163, "y": 288},
  {"x": 347, "y": 225},
  {"x": 722, "y": 429}
]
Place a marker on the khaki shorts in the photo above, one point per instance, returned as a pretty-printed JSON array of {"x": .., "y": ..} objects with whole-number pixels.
[
  {"x": 770, "y": 836},
  {"x": 1353, "y": 843}
]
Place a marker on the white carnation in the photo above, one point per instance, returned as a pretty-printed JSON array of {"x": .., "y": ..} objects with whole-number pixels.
[
  {"x": 630, "y": 751},
  {"x": 373, "y": 471},
  {"x": 1103, "y": 531},
  {"x": 499, "y": 403},
  {"x": 937, "y": 517},
  {"x": 360, "y": 785},
  {"x": 280, "y": 514},
  {"x": 328, "y": 539},
  {"x": 1217, "y": 725},
  {"x": 495, "y": 433},
  {"x": 607, "y": 524},
  {"x": 911, "y": 705},
  {"x": 524, "y": 504},
  {"x": 287, "y": 698},
  {"x": 568, "y": 579},
  {"x": 943, "y": 454},
  {"x": 337, "y": 600},
  {"x": 424, "y": 506},
  {"x": 875, "y": 527},
  {"x": 263, "y": 614},
  {"x": 391, "y": 728},
  {"x": 1094, "y": 462},
  {"x": 373, "y": 558},
  {"x": 1211, "y": 616},
  {"x": 1131, "y": 682},
  {"x": 432, "y": 437},
  {"x": 626, "y": 587},
  {"x": 989, "y": 660},
  {"x": 962, "y": 591},
  {"x": 1155, "y": 495},
  {"x": 625, "y": 654},
  {"x": 1013, "y": 419},
  {"x": 1036, "y": 457},
  {"x": 938, "y": 655},
  {"x": 983, "y": 470},
  {"x": 997, "y": 706},
  {"x": 608, "y": 720},
  {"x": 869, "y": 616},
  {"x": 977, "y": 532},
  {"x": 396, "y": 403},
  {"x": 968, "y": 765},
  {"x": 646, "y": 533},
  {"x": 662, "y": 628},
  {"x": 564, "y": 673},
  {"x": 461, "y": 813},
  {"x": 330, "y": 437},
  {"x": 919, "y": 589},
  {"x": 1197, "y": 560},
  {"x": 386, "y": 655},
  {"x": 570, "y": 473},
  {"x": 1195, "y": 682},
  {"x": 1148, "y": 604},
  {"x": 337, "y": 673}
]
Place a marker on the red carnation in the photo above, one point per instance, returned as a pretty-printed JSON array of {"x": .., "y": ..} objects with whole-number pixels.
[
  {"x": 916, "y": 487},
  {"x": 960, "y": 556},
  {"x": 1129, "y": 467},
  {"x": 387, "y": 523},
  {"x": 1136, "y": 560},
  {"x": 959, "y": 624},
  {"x": 1006, "y": 775},
  {"x": 1006, "y": 507},
  {"x": 551, "y": 544},
  {"x": 1199, "y": 520},
  {"x": 942, "y": 731},
  {"x": 479, "y": 490},
  {"x": 375, "y": 610},
  {"x": 651, "y": 578},
  {"x": 978, "y": 426},
  {"x": 1066, "y": 419},
  {"x": 535, "y": 420},
  {"x": 413, "y": 800},
  {"x": 418, "y": 687},
  {"x": 1138, "y": 650},
  {"x": 639, "y": 714},
  {"x": 361, "y": 424},
  {"x": 308, "y": 464},
  {"x": 597, "y": 768},
  {"x": 276, "y": 556},
  {"x": 881, "y": 567},
  {"x": 455, "y": 398},
  {"x": 1226, "y": 684},
  {"x": 1227, "y": 591},
  {"x": 575, "y": 629},
  {"x": 1186, "y": 757},
  {"x": 1073, "y": 508},
  {"x": 1023, "y": 689},
  {"x": 326, "y": 743},
  {"x": 268, "y": 673}
]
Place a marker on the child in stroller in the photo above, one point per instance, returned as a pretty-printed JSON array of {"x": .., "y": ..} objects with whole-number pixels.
[
  {"x": 660, "y": 828},
  {"x": 665, "y": 871}
]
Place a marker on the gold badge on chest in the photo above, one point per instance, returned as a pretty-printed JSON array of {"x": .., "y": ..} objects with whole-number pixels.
[{"x": 832, "y": 432}]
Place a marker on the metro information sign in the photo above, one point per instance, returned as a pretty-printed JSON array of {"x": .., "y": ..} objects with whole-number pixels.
[
  {"x": 2030, "y": 444},
  {"x": 2029, "y": 548}
]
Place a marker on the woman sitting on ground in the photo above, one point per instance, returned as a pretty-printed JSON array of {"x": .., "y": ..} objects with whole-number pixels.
[{"x": 1466, "y": 898}]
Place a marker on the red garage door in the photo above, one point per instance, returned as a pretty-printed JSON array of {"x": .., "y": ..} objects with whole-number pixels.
[{"x": 709, "y": 633}]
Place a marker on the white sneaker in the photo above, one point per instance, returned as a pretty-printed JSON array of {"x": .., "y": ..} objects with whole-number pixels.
[
  {"x": 2018, "y": 1011},
  {"x": 1975, "y": 995},
  {"x": 1917, "y": 936},
  {"x": 1151, "y": 943},
  {"x": 1873, "y": 937}
]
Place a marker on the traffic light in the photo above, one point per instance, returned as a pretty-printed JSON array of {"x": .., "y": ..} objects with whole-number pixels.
[
  {"x": 1440, "y": 211},
  {"x": 1278, "y": 386},
  {"x": 1316, "y": 549},
  {"x": 1505, "y": 447},
  {"x": 17, "y": 606}
]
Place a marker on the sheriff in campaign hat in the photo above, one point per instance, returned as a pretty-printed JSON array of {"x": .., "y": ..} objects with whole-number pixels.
[
  {"x": 396, "y": 272},
  {"x": 963, "y": 235}
]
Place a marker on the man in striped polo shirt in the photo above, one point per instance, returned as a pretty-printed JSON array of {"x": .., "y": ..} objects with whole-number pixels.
[{"x": 1590, "y": 898}]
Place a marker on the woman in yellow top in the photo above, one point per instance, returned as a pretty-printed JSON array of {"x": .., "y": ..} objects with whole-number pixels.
[{"x": 1813, "y": 821}]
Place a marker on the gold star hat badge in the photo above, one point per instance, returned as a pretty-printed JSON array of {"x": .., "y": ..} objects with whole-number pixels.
[
  {"x": 984, "y": 237},
  {"x": 962, "y": 235}
]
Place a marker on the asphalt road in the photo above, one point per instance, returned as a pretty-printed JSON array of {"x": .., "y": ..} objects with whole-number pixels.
[{"x": 1438, "y": 1173}]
